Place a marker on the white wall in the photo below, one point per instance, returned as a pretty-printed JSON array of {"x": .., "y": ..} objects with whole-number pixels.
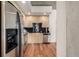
[
  {"x": 72, "y": 9},
  {"x": 61, "y": 29},
  {"x": 52, "y": 26},
  {"x": 10, "y": 21}
]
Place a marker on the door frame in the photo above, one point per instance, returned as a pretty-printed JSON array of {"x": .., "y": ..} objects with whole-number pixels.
[
  {"x": 0, "y": 30},
  {"x": 61, "y": 28}
]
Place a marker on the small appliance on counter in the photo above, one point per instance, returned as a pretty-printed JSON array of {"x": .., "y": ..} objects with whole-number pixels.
[
  {"x": 37, "y": 27},
  {"x": 25, "y": 32}
]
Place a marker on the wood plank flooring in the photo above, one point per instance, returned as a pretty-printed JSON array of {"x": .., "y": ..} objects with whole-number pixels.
[{"x": 40, "y": 50}]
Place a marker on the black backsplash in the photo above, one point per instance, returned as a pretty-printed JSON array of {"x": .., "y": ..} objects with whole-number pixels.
[
  {"x": 11, "y": 39},
  {"x": 37, "y": 28},
  {"x": 30, "y": 29},
  {"x": 41, "y": 30}
]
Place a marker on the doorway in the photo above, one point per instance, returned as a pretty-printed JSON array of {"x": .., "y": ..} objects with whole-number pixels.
[{"x": 38, "y": 41}]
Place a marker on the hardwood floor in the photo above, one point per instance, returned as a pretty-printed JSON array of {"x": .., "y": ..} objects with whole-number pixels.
[{"x": 40, "y": 50}]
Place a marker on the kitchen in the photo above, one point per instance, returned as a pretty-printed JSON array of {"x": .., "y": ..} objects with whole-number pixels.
[{"x": 30, "y": 31}]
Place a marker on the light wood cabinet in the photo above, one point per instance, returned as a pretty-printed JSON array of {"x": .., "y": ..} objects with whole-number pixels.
[
  {"x": 35, "y": 38},
  {"x": 45, "y": 38}
]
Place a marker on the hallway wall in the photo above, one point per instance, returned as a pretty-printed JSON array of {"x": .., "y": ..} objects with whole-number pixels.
[
  {"x": 52, "y": 26},
  {"x": 61, "y": 28},
  {"x": 10, "y": 23},
  {"x": 68, "y": 29},
  {"x": 72, "y": 15}
]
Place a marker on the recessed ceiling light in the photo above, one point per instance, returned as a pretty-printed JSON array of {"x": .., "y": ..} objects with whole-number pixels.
[
  {"x": 23, "y": 1},
  {"x": 29, "y": 13},
  {"x": 45, "y": 13}
]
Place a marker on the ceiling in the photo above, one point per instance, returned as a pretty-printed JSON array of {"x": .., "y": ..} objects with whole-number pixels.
[
  {"x": 37, "y": 7},
  {"x": 44, "y": 3}
]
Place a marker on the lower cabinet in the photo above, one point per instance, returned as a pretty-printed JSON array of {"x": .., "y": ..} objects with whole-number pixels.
[{"x": 35, "y": 38}]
